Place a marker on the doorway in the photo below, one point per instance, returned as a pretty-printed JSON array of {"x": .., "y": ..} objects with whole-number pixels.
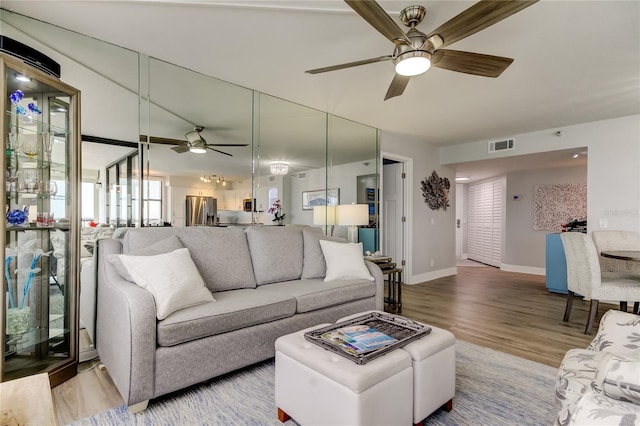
[{"x": 395, "y": 203}]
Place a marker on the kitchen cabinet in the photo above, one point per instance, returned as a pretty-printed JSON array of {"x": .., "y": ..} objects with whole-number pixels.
[
  {"x": 40, "y": 240},
  {"x": 233, "y": 199}
]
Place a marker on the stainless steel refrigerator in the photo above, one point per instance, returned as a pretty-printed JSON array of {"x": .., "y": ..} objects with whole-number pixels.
[{"x": 201, "y": 211}]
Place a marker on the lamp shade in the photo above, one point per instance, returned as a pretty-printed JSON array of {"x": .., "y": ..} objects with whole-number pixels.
[
  {"x": 353, "y": 214},
  {"x": 324, "y": 215}
]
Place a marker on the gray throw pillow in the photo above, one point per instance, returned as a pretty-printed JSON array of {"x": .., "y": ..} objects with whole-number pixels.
[
  {"x": 161, "y": 247},
  {"x": 313, "y": 263}
]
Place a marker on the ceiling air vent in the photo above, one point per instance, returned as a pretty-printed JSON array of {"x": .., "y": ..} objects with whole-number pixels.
[
  {"x": 504, "y": 145},
  {"x": 302, "y": 175},
  {"x": 272, "y": 178}
]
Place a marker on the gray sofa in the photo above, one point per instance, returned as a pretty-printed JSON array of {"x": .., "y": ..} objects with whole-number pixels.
[{"x": 267, "y": 282}]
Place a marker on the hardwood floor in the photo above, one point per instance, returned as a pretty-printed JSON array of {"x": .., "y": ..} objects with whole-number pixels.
[{"x": 506, "y": 311}]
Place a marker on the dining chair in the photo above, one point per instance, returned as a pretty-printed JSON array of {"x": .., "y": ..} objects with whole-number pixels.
[
  {"x": 584, "y": 276},
  {"x": 614, "y": 240}
]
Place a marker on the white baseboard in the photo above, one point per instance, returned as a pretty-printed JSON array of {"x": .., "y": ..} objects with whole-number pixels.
[
  {"x": 433, "y": 275},
  {"x": 523, "y": 269},
  {"x": 87, "y": 354}
]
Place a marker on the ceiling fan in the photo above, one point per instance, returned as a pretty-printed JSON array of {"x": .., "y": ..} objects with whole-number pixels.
[
  {"x": 415, "y": 52},
  {"x": 195, "y": 143}
]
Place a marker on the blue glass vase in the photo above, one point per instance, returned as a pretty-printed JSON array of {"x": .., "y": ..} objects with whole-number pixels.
[{"x": 17, "y": 217}]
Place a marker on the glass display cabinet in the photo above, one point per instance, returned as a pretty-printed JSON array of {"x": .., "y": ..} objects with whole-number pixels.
[{"x": 41, "y": 166}]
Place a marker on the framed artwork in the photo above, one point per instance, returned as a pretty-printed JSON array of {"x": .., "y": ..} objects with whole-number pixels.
[{"x": 320, "y": 197}]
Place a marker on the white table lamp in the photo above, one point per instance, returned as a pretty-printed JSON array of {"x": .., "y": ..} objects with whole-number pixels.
[
  {"x": 352, "y": 215},
  {"x": 325, "y": 216}
]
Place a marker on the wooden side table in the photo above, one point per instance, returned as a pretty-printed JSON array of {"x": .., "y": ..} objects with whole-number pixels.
[
  {"x": 393, "y": 280},
  {"x": 27, "y": 401}
]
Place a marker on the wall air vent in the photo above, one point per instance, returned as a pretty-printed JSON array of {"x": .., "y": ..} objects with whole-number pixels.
[
  {"x": 272, "y": 178},
  {"x": 504, "y": 145}
]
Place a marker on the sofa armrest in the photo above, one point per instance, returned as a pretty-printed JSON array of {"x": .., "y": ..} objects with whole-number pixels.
[
  {"x": 126, "y": 328},
  {"x": 618, "y": 333},
  {"x": 376, "y": 272}
]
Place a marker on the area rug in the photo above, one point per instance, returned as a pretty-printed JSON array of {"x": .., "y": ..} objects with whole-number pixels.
[{"x": 492, "y": 388}]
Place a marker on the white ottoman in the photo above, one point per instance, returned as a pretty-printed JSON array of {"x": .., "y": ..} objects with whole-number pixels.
[
  {"x": 317, "y": 387},
  {"x": 434, "y": 371}
]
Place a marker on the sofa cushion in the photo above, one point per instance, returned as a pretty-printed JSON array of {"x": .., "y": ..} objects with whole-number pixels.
[
  {"x": 313, "y": 263},
  {"x": 576, "y": 375},
  {"x": 276, "y": 252},
  {"x": 159, "y": 247},
  {"x": 220, "y": 254},
  {"x": 317, "y": 294},
  {"x": 171, "y": 278},
  {"x": 596, "y": 409},
  {"x": 232, "y": 310},
  {"x": 344, "y": 261}
]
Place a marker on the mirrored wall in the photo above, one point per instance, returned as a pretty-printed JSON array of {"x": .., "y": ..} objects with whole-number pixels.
[{"x": 264, "y": 161}]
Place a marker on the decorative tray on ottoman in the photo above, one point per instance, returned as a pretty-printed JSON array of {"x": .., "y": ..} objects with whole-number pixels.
[{"x": 367, "y": 337}]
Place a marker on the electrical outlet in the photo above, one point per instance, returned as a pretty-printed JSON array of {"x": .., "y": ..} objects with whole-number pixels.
[{"x": 433, "y": 262}]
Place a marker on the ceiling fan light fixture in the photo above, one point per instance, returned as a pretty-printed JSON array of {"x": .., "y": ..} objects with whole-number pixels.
[
  {"x": 279, "y": 168},
  {"x": 197, "y": 149},
  {"x": 413, "y": 62}
]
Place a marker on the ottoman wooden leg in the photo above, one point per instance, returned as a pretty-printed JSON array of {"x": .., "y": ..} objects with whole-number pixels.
[
  {"x": 448, "y": 405},
  {"x": 282, "y": 416}
]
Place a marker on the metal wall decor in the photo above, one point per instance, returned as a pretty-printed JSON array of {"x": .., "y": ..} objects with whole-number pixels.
[{"x": 435, "y": 191}]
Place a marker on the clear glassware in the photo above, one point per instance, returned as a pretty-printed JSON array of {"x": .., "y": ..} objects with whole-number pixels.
[
  {"x": 12, "y": 180},
  {"x": 13, "y": 141},
  {"x": 29, "y": 145},
  {"x": 47, "y": 144},
  {"x": 52, "y": 188},
  {"x": 28, "y": 181}
]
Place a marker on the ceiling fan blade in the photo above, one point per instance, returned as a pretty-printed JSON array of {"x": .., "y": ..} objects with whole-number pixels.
[
  {"x": 221, "y": 152},
  {"x": 379, "y": 19},
  {"x": 350, "y": 64},
  {"x": 180, "y": 149},
  {"x": 478, "y": 17},
  {"x": 227, "y": 144},
  {"x": 398, "y": 84},
  {"x": 470, "y": 63},
  {"x": 165, "y": 141}
]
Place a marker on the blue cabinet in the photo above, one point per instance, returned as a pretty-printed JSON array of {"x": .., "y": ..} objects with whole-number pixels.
[
  {"x": 556, "y": 265},
  {"x": 369, "y": 239}
]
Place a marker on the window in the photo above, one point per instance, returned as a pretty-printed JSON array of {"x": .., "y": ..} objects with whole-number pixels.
[
  {"x": 88, "y": 212},
  {"x": 152, "y": 201}
]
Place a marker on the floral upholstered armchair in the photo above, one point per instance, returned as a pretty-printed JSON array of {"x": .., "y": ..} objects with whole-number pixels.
[{"x": 600, "y": 385}]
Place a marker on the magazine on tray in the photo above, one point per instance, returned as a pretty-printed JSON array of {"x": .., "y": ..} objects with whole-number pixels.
[{"x": 358, "y": 339}]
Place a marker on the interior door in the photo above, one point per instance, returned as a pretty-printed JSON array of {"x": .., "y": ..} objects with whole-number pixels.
[
  {"x": 486, "y": 221},
  {"x": 459, "y": 219},
  {"x": 393, "y": 213}
]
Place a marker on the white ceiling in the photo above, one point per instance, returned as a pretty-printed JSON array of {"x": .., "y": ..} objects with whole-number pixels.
[{"x": 575, "y": 61}]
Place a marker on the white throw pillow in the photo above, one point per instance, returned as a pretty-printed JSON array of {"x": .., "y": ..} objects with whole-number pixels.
[
  {"x": 344, "y": 261},
  {"x": 172, "y": 278}
]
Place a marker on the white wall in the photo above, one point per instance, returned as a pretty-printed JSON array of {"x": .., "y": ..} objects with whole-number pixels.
[
  {"x": 344, "y": 177},
  {"x": 431, "y": 233},
  {"x": 524, "y": 249},
  {"x": 613, "y": 178}
]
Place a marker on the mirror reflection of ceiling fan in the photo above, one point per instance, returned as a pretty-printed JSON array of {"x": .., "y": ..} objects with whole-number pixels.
[
  {"x": 415, "y": 52},
  {"x": 194, "y": 143}
]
